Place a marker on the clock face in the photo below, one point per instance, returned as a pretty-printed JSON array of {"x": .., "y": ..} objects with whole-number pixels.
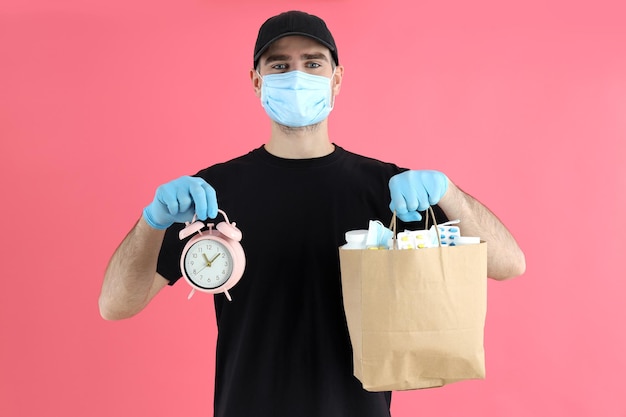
[{"x": 208, "y": 264}]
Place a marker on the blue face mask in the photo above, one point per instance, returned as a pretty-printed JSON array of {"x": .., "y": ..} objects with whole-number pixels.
[{"x": 295, "y": 98}]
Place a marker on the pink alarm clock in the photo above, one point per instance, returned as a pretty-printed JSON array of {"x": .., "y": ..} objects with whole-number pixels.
[{"x": 213, "y": 260}]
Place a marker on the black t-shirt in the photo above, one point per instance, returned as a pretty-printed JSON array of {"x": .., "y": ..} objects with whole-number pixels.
[{"x": 283, "y": 347}]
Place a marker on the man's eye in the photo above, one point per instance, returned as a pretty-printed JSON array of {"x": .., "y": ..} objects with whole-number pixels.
[
  {"x": 313, "y": 65},
  {"x": 279, "y": 66}
]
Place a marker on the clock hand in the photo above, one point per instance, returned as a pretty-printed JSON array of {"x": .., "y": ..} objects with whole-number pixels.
[
  {"x": 200, "y": 270},
  {"x": 214, "y": 258},
  {"x": 208, "y": 263}
]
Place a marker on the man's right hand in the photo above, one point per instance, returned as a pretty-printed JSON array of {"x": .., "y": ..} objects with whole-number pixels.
[{"x": 178, "y": 200}]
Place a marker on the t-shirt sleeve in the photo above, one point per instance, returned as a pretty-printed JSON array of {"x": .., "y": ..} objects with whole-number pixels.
[{"x": 168, "y": 264}]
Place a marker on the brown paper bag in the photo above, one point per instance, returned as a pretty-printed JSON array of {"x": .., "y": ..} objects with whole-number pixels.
[{"x": 416, "y": 317}]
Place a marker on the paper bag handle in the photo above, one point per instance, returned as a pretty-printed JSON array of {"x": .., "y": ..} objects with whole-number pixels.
[{"x": 429, "y": 213}]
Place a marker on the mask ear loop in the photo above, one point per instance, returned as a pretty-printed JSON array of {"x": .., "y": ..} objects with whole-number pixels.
[
  {"x": 260, "y": 77},
  {"x": 260, "y": 86},
  {"x": 332, "y": 95}
]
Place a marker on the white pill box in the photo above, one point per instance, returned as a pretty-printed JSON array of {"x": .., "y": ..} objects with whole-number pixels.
[{"x": 355, "y": 239}]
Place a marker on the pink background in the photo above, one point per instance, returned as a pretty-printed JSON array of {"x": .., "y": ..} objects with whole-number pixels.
[{"x": 522, "y": 104}]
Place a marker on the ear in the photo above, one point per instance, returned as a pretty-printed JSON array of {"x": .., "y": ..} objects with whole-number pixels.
[
  {"x": 256, "y": 82},
  {"x": 337, "y": 79}
]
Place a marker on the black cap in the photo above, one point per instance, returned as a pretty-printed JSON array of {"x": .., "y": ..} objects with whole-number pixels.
[{"x": 293, "y": 23}]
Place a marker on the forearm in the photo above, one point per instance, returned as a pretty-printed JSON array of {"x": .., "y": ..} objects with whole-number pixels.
[
  {"x": 505, "y": 258},
  {"x": 131, "y": 272}
]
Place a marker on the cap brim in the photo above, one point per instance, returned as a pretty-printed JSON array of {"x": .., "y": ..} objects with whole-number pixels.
[{"x": 282, "y": 35}]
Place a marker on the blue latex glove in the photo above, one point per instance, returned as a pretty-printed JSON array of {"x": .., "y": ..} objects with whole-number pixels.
[
  {"x": 413, "y": 191},
  {"x": 178, "y": 200}
]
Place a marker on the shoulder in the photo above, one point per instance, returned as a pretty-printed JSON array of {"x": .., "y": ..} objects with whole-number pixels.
[
  {"x": 234, "y": 164},
  {"x": 368, "y": 163}
]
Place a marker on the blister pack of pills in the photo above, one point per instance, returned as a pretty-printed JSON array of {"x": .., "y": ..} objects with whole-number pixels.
[
  {"x": 417, "y": 239},
  {"x": 448, "y": 233}
]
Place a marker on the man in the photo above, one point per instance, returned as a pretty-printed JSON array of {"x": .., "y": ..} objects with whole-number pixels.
[{"x": 283, "y": 348}]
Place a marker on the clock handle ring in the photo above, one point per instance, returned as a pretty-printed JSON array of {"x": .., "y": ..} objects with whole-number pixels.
[
  {"x": 224, "y": 214},
  {"x": 195, "y": 217}
]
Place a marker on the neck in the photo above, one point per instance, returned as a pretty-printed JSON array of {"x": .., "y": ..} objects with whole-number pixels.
[{"x": 300, "y": 143}]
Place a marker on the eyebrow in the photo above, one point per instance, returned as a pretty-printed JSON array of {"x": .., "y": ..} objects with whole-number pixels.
[
  {"x": 318, "y": 55},
  {"x": 274, "y": 58},
  {"x": 303, "y": 57}
]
